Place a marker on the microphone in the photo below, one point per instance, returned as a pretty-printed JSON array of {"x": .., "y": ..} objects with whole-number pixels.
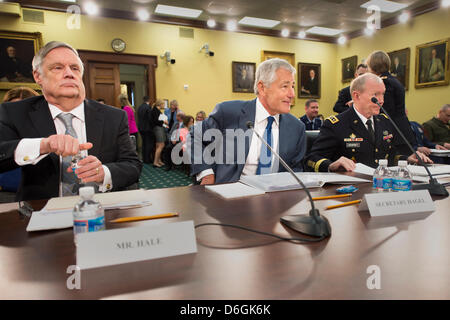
[
  {"x": 434, "y": 187},
  {"x": 313, "y": 224}
]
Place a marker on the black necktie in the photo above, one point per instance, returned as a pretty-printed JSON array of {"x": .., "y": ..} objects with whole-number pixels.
[{"x": 370, "y": 129}]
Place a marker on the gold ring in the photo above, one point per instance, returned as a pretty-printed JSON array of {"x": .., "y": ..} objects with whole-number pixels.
[{"x": 97, "y": 170}]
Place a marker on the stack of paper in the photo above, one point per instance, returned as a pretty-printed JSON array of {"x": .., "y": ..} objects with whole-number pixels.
[
  {"x": 234, "y": 190},
  {"x": 440, "y": 153},
  {"x": 57, "y": 213}
]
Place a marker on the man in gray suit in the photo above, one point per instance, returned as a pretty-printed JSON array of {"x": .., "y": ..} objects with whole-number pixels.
[{"x": 235, "y": 150}]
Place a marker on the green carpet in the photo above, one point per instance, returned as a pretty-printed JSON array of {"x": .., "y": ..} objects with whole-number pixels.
[{"x": 156, "y": 178}]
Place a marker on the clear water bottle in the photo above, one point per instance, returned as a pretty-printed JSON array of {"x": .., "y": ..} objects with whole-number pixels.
[
  {"x": 382, "y": 177},
  {"x": 74, "y": 165},
  {"x": 402, "y": 179},
  {"x": 88, "y": 214}
]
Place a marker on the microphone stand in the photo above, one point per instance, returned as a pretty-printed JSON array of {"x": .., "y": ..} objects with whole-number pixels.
[
  {"x": 313, "y": 224},
  {"x": 434, "y": 187}
]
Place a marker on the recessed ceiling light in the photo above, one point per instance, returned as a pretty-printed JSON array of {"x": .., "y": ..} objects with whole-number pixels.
[
  {"x": 445, "y": 3},
  {"x": 91, "y": 8},
  {"x": 257, "y": 22},
  {"x": 231, "y": 25},
  {"x": 285, "y": 33},
  {"x": 211, "y": 23},
  {"x": 324, "y": 31},
  {"x": 177, "y": 11},
  {"x": 143, "y": 14},
  {"x": 384, "y": 5},
  {"x": 302, "y": 34},
  {"x": 404, "y": 17},
  {"x": 342, "y": 40}
]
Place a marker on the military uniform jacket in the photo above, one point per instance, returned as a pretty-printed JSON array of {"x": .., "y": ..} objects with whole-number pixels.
[{"x": 346, "y": 135}]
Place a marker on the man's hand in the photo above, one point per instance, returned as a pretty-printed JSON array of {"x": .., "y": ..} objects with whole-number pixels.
[
  {"x": 62, "y": 145},
  {"x": 209, "y": 179},
  {"x": 439, "y": 147},
  {"x": 90, "y": 170},
  {"x": 342, "y": 162},
  {"x": 412, "y": 158},
  {"x": 424, "y": 150},
  {"x": 447, "y": 145}
]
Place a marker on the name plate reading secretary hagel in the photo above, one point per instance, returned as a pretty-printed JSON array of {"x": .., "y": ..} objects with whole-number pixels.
[
  {"x": 393, "y": 203},
  {"x": 117, "y": 246}
]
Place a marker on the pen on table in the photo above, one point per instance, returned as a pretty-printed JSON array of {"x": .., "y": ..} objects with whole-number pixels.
[
  {"x": 139, "y": 218},
  {"x": 333, "y": 196},
  {"x": 343, "y": 204}
]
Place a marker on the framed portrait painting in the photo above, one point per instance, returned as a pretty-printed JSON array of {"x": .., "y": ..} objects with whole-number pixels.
[
  {"x": 400, "y": 66},
  {"x": 243, "y": 75},
  {"x": 432, "y": 64},
  {"x": 17, "y": 50},
  {"x": 309, "y": 80},
  {"x": 348, "y": 68}
]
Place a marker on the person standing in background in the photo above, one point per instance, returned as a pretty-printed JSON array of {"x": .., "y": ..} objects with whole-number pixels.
[
  {"x": 146, "y": 130},
  {"x": 160, "y": 132},
  {"x": 344, "y": 97},
  {"x": 126, "y": 105}
]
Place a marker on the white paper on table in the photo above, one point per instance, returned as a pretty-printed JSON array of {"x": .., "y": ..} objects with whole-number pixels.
[
  {"x": 434, "y": 170},
  {"x": 108, "y": 200},
  {"x": 234, "y": 190},
  {"x": 44, "y": 220},
  {"x": 363, "y": 169}
]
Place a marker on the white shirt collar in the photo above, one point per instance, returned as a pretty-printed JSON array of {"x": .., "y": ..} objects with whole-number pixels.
[
  {"x": 363, "y": 119},
  {"x": 262, "y": 114},
  {"x": 78, "y": 112}
]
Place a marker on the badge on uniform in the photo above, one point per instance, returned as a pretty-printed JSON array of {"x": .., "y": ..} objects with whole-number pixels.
[
  {"x": 353, "y": 138},
  {"x": 352, "y": 144},
  {"x": 387, "y": 136}
]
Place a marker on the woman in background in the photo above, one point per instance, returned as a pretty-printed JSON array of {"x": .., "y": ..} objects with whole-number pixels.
[
  {"x": 126, "y": 105},
  {"x": 158, "y": 121}
]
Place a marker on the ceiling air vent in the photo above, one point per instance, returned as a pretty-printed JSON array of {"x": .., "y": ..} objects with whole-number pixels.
[
  {"x": 35, "y": 16},
  {"x": 186, "y": 33}
]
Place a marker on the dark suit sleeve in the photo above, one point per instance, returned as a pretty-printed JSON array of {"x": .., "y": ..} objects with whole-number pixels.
[
  {"x": 199, "y": 141},
  {"x": 126, "y": 169},
  {"x": 340, "y": 105},
  {"x": 300, "y": 149},
  {"x": 324, "y": 149},
  {"x": 9, "y": 140}
]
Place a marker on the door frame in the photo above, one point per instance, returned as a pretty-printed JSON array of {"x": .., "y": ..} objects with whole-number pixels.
[{"x": 151, "y": 62}]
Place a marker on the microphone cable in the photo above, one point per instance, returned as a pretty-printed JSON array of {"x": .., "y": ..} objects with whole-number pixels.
[{"x": 294, "y": 240}]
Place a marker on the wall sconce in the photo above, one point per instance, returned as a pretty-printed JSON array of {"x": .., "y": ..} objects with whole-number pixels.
[
  {"x": 207, "y": 51},
  {"x": 166, "y": 56}
]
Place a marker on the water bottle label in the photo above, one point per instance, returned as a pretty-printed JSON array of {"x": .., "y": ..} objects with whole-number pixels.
[
  {"x": 401, "y": 185},
  {"x": 81, "y": 226},
  {"x": 387, "y": 183}
]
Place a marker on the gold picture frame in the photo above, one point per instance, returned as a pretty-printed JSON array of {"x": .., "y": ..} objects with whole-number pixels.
[
  {"x": 400, "y": 65},
  {"x": 432, "y": 64},
  {"x": 15, "y": 63},
  {"x": 348, "y": 68},
  {"x": 243, "y": 76},
  {"x": 309, "y": 81}
]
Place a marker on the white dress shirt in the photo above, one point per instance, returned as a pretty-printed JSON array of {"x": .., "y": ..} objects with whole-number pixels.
[
  {"x": 28, "y": 150},
  {"x": 260, "y": 123},
  {"x": 364, "y": 119}
]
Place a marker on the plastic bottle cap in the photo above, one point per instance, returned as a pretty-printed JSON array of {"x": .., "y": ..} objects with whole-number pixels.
[
  {"x": 383, "y": 162},
  {"x": 87, "y": 192},
  {"x": 402, "y": 163}
]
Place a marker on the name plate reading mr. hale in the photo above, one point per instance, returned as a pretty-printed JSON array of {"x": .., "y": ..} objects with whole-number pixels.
[
  {"x": 393, "y": 203},
  {"x": 117, "y": 246}
]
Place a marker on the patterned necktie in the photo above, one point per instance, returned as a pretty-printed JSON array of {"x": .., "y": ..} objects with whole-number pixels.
[
  {"x": 69, "y": 181},
  {"x": 265, "y": 157},
  {"x": 370, "y": 129}
]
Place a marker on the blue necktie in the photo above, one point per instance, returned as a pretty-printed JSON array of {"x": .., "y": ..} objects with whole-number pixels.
[{"x": 265, "y": 157}]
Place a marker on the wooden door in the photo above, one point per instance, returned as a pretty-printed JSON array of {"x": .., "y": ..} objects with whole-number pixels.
[{"x": 104, "y": 82}]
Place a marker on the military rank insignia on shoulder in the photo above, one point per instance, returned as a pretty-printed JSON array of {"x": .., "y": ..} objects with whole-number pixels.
[{"x": 333, "y": 119}]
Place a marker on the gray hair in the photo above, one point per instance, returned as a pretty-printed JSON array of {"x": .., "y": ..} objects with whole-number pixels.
[
  {"x": 266, "y": 71},
  {"x": 359, "y": 83},
  {"x": 445, "y": 107},
  {"x": 44, "y": 51}
]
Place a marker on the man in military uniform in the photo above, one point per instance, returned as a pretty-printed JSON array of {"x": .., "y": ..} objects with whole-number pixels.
[{"x": 360, "y": 134}]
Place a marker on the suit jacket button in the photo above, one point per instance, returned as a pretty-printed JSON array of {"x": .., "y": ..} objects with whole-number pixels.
[
  {"x": 353, "y": 150},
  {"x": 376, "y": 160},
  {"x": 108, "y": 186},
  {"x": 376, "y": 149},
  {"x": 26, "y": 158}
]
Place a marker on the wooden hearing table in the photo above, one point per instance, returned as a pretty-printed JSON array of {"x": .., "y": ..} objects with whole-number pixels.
[{"x": 411, "y": 258}]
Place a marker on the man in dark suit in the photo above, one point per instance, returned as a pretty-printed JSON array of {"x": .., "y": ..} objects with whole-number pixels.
[
  {"x": 360, "y": 134},
  {"x": 344, "y": 97},
  {"x": 39, "y": 134},
  {"x": 235, "y": 150},
  {"x": 146, "y": 130},
  {"x": 311, "y": 87}
]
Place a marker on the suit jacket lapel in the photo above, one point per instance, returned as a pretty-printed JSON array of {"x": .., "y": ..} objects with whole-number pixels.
[{"x": 94, "y": 127}]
